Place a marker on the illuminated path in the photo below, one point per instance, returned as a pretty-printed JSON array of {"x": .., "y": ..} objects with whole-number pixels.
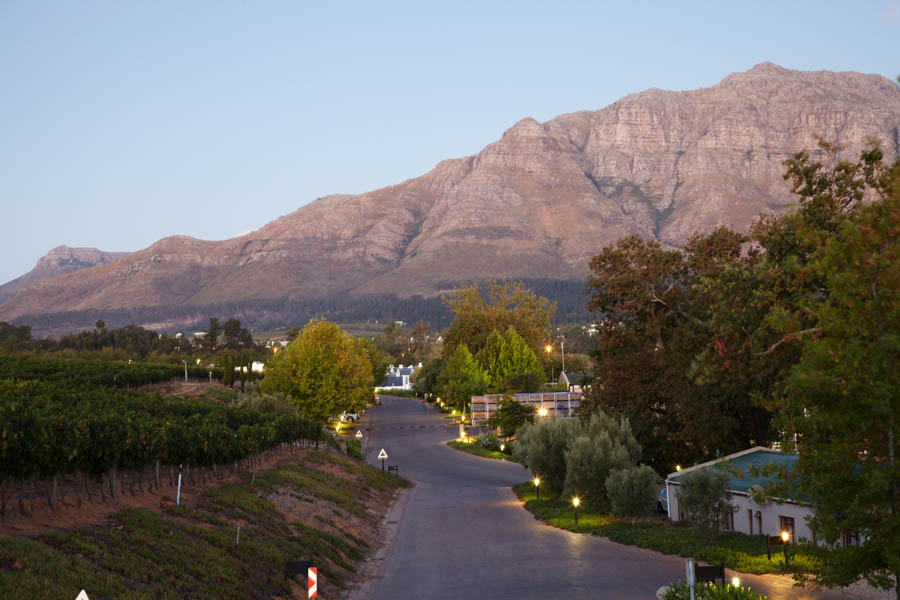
[{"x": 463, "y": 534}]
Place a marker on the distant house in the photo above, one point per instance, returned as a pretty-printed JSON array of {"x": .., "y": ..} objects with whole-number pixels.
[
  {"x": 751, "y": 516},
  {"x": 576, "y": 382},
  {"x": 398, "y": 378}
]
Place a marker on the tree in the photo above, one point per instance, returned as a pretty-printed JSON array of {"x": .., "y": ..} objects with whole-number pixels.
[
  {"x": 236, "y": 336},
  {"x": 477, "y": 312},
  {"x": 510, "y": 416},
  {"x": 632, "y": 491},
  {"x": 461, "y": 378},
  {"x": 212, "y": 333},
  {"x": 705, "y": 497},
  {"x": 842, "y": 399},
  {"x": 378, "y": 359},
  {"x": 323, "y": 370},
  {"x": 541, "y": 448},
  {"x": 504, "y": 357},
  {"x": 100, "y": 324},
  {"x": 605, "y": 445},
  {"x": 425, "y": 379},
  {"x": 393, "y": 341}
]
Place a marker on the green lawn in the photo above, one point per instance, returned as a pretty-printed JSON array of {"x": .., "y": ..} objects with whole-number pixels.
[
  {"x": 478, "y": 450},
  {"x": 737, "y": 551}
]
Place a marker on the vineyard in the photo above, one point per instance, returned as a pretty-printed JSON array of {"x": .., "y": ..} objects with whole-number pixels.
[{"x": 66, "y": 422}]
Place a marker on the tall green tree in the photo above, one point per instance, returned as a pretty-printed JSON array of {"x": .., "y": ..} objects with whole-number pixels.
[
  {"x": 842, "y": 399},
  {"x": 323, "y": 370},
  {"x": 461, "y": 378}
]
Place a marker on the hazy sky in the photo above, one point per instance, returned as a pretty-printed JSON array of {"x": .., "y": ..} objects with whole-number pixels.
[{"x": 124, "y": 122}]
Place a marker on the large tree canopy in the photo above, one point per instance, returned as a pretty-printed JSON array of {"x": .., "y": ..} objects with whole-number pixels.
[
  {"x": 503, "y": 304},
  {"x": 324, "y": 370}
]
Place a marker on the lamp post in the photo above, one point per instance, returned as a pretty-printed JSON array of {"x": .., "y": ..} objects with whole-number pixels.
[
  {"x": 575, "y": 502},
  {"x": 549, "y": 349},
  {"x": 785, "y": 537},
  {"x": 537, "y": 487}
]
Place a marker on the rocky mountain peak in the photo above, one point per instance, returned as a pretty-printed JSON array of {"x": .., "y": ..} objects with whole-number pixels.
[{"x": 536, "y": 203}]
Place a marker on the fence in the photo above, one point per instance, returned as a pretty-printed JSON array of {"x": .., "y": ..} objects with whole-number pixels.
[{"x": 557, "y": 404}]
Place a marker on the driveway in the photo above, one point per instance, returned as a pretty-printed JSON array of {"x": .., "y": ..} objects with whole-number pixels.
[{"x": 462, "y": 533}]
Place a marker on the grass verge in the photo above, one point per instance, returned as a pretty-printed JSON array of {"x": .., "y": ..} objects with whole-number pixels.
[
  {"x": 737, "y": 551},
  {"x": 478, "y": 450},
  {"x": 194, "y": 551}
]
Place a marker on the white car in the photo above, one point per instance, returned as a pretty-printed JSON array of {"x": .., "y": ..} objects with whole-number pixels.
[{"x": 345, "y": 416}]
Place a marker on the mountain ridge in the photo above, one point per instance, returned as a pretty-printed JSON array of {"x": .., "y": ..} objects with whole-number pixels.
[{"x": 538, "y": 202}]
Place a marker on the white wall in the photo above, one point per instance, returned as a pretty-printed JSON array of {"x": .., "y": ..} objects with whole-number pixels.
[{"x": 770, "y": 511}]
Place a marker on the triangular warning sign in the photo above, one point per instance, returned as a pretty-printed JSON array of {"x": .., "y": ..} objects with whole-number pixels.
[
  {"x": 82, "y": 595},
  {"x": 382, "y": 455}
]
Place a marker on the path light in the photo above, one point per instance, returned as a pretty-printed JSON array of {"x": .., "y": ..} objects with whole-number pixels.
[
  {"x": 542, "y": 412},
  {"x": 537, "y": 488},
  {"x": 736, "y": 581},
  {"x": 502, "y": 447},
  {"x": 677, "y": 467},
  {"x": 548, "y": 348},
  {"x": 785, "y": 537},
  {"x": 575, "y": 502}
]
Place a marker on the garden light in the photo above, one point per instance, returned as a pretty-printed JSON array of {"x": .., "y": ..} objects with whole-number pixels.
[
  {"x": 677, "y": 467},
  {"x": 548, "y": 348},
  {"x": 785, "y": 536},
  {"x": 537, "y": 489},
  {"x": 575, "y": 502},
  {"x": 502, "y": 447},
  {"x": 736, "y": 582}
]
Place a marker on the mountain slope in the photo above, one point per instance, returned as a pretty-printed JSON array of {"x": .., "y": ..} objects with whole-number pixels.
[
  {"x": 58, "y": 261},
  {"x": 538, "y": 203}
]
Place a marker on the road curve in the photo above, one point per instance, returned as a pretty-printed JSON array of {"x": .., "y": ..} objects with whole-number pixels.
[{"x": 464, "y": 534}]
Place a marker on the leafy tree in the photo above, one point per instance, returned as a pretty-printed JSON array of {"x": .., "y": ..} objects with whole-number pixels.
[
  {"x": 425, "y": 380},
  {"x": 393, "y": 341},
  {"x": 843, "y": 397},
  {"x": 461, "y": 378},
  {"x": 632, "y": 491},
  {"x": 510, "y": 416},
  {"x": 508, "y": 356},
  {"x": 14, "y": 338},
  {"x": 605, "y": 445},
  {"x": 212, "y": 333},
  {"x": 705, "y": 497},
  {"x": 477, "y": 312},
  {"x": 379, "y": 361},
  {"x": 236, "y": 336},
  {"x": 541, "y": 448},
  {"x": 323, "y": 370}
]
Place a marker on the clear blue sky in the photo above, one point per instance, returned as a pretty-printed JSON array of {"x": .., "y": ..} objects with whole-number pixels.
[{"x": 124, "y": 122}]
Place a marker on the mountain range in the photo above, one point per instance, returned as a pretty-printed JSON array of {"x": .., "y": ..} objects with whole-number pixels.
[{"x": 538, "y": 203}]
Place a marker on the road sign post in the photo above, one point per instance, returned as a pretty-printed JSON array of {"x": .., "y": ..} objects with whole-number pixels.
[{"x": 382, "y": 456}]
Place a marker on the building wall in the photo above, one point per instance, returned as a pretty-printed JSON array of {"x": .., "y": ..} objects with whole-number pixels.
[{"x": 769, "y": 511}]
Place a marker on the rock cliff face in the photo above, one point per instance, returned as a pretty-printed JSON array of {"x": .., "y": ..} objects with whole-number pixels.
[
  {"x": 58, "y": 261},
  {"x": 538, "y": 203}
]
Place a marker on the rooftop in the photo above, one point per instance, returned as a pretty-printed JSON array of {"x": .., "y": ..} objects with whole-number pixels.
[{"x": 738, "y": 466}]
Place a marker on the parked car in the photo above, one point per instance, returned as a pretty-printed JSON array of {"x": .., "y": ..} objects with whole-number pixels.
[
  {"x": 345, "y": 416},
  {"x": 662, "y": 503}
]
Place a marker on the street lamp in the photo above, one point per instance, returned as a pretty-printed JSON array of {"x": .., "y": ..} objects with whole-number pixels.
[
  {"x": 537, "y": 488},
  {"x": 502, "y": 447},
  {"x": 575, "y": 502},
  {"x": 785, "y": 537}
]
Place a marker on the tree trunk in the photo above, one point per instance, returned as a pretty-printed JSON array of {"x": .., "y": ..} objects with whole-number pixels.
[
  {"x": 157, "y": 475},
  {"x": 53, "y": 492},
  {"x": 112, "y": 483}
]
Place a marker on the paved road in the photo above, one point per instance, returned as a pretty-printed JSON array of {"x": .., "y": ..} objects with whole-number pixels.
[{"x": 463, "y": 534}]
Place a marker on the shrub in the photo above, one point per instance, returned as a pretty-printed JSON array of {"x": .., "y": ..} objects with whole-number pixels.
[
  {"x": 510, "y": 416},
  {"x": 490, "y": 442},
  {"x": 607, "y": 445},
  {"x": 705, "y": 496},
  {"x": 542, "y": 449},
  {"x": 632, "y": 492},
  {"x": 354, "y": 449},
  {"x": 709, "y": 591}
]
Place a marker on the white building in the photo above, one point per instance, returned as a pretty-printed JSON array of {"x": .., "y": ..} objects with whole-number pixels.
[
  {"x": 748, "y": 516},
  {"x": 398, "y": 378}
]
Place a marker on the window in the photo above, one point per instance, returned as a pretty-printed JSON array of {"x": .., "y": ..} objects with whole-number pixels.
[
  {"x": 786, "y": 524},
  {"x": 851, "y": 538},
  {"x": 727, "y": 520}
]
